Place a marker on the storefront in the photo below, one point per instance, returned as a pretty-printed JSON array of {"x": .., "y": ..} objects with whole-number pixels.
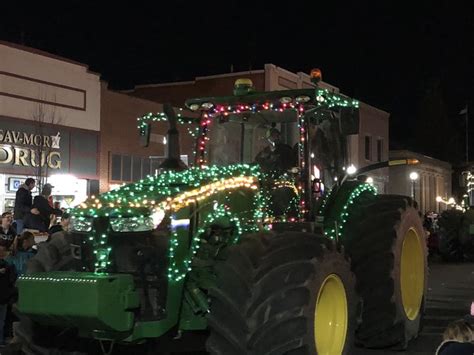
[
  {"x": 49, "y": 124},
  {"x": 64, "y": 156}
]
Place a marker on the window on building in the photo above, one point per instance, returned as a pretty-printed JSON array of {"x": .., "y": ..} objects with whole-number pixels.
[
  {"x": 379, "y": 149},
  {"x": 368, "y": 147},
  {"x": 125, "y": 168},
  {"x": 136, "y": 168},
  {"x": 116, "y": 169},
  {"x": 146, "y": 166}
]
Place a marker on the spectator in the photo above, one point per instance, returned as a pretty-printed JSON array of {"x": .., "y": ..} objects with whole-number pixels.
[
  {"x": 23, "y": 203},
  {"x": 7, "y": 287},
  {"x": 62, "y": 227},
  {"x": 22, "y": 252},
  {"x": 57, "y": 250},
  {"x": 7, "y": 232},
  {"x": 42, "y": 220},
  {"x": 457, "y": 339}
]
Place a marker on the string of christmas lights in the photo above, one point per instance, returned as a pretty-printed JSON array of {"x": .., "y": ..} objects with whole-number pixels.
[
  {"x": 178, "y": 269},
  {"x": 323, "y": 99},
  {"x": 330, "y": 231}
]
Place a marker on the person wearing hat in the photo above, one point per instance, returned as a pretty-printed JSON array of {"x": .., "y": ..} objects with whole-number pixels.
[{"x": 41, "y": 221}]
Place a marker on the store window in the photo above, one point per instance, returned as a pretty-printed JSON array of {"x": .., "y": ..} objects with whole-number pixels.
[
  {"x": 368, "y": 148},
  {"x": 379, "y": 149}
]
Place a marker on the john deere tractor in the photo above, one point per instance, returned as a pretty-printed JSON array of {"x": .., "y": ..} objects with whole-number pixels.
[{"x": 266, "y": 245}]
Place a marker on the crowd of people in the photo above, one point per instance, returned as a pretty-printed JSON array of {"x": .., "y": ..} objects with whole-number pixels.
[{"x": 31, "y": 216}]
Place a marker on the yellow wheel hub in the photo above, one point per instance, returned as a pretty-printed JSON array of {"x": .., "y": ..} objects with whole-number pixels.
[
  {"x": 412, "y": 273},
  {"x": 330, "y": 317}
]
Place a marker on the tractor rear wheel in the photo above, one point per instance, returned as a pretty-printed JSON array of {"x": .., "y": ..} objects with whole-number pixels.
[
  {"x": 385, "y": 241},
  {"x": 289, "y": 293}
]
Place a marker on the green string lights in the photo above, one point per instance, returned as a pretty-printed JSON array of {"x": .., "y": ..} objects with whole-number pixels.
[
  {"x": 145, "y": 120},
  {"x": 329, "y": 99},
  {"x": 178, "y": 269},
  {"x": 336, "y": 230},
  {"x": 135, "y": 205},
  {"x": 141, "y": 198}
]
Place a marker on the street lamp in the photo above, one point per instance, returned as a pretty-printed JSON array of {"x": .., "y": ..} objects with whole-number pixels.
[
  {"x": 351, "y": 169},
  {"x": 439, "y": 199},
  {"x": 413, "y": 177}
]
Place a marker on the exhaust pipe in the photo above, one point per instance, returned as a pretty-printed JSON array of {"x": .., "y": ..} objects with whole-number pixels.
[{"x": 173, "y": 158}]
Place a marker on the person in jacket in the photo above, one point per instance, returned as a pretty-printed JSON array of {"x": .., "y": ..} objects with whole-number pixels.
[
  {"x": 7, "y": 286},
  {"x": 7, "y": 232},
  {"x": 23, "y": 203},
  {"x": 42, "y": 220},
  {"x": 22, "y": 252},
  {"x": 458, "y": 339}
]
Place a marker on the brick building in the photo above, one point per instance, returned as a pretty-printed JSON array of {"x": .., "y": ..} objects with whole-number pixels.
[{"x": 122, "y": 159}]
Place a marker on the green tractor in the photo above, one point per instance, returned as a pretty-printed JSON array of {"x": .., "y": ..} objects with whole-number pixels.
[{"x": 264, "y": 246}]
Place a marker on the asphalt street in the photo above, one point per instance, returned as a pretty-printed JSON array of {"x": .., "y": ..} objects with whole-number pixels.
[{"x": 450, "y": 293}]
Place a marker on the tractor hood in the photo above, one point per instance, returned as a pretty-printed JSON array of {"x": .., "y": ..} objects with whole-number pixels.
[{"x": 144, "y": 203}]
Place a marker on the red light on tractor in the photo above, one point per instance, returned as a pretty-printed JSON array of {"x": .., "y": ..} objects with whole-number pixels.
[{"x": 316, "y": 75}]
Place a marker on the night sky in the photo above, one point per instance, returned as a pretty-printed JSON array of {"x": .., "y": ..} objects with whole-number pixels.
[{"x": 387, "y": 53}]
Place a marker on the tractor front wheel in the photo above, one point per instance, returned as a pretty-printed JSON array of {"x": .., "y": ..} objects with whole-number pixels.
[{"x": 290, "y": 293}]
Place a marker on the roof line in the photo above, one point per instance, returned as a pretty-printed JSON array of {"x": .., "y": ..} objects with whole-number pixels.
[
  {"x": 208, "y": 77},
  {"x": 45, "y": 54}
]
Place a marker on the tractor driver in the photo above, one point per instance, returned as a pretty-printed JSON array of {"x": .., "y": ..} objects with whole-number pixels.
[{"x": 277, "y": 156}]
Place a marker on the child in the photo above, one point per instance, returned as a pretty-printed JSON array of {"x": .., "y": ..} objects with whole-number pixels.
[
  {"x": 457, "y": 339},
  {"x": 22, "y": 251},
  {"x": 7, "y": 286}
]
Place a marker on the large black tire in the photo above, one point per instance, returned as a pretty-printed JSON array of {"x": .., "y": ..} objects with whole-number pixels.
[
  {"x": 385, "y": 241},
  {"x": 266, "y": 294}
]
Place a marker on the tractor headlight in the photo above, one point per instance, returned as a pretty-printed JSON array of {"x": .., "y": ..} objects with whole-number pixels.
[
  {"x": 157, "y": 216},
  {"x": 80, "y": 224},
  {"x": 138, "y": 223}
]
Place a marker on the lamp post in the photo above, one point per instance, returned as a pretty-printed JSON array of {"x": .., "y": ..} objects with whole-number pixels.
[
  {"x": 413, "y": 177},
  {"x": 439, "y": 199}
]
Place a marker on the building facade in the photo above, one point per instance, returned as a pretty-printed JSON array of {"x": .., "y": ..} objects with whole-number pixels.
[
  {"x": 424, "y": 182},
  {"x": 367, "y": 147},
  {"x": 122, "y": 159},
  {"x": 61, "y": 124},
  {"x": 50, "y": 121}
]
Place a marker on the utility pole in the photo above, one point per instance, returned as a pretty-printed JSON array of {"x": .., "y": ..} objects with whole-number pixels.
[
  {"x": 467, "y": 133},
  {"x": 465, "y": 111}
]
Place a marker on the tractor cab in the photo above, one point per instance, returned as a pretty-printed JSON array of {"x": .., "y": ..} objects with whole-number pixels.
[{"x": 288, "y": 133}]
